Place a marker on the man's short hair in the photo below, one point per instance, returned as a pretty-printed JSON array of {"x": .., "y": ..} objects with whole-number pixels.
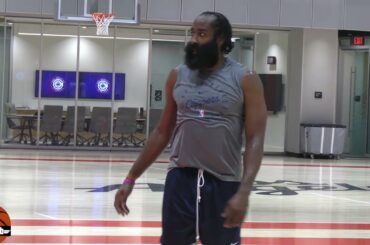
[{"x": 222, "y": 28}]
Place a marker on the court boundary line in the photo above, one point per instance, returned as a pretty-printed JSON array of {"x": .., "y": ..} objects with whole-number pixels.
[
  {"x": 123, "y": 161},
  {"x": 155, "y": 240},
  {"x": 154, "y": 224}
]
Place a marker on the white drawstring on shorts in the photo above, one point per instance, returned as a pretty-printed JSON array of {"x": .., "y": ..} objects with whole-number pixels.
[{"x": 200, "y": 183}]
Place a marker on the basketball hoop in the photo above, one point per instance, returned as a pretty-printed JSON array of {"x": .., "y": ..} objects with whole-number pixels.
[{"x": 102, "y": 21}]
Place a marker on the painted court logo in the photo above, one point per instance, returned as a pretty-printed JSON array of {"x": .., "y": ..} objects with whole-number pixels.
[{"x": 5, "y": 229}]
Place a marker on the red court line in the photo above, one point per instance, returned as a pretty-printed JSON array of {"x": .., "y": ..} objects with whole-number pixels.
[
  {"x": 303, "y": 241},
  {"x": 155, "y": 240},
  {"x": 329, "y": 226},
  {"x": 166, "y": 161},
  {"x": 155, "y": 224},
  {"x": 86, "y": 223},
  {"x": 84, "y": 239}
]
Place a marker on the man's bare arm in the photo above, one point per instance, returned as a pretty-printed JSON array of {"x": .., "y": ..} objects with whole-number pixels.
[
  {"x": 255, "y": 126},
  {"x": 157, "y": 141}
]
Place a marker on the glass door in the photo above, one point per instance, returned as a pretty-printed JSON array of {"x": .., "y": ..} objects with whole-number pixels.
[
  {"x": 359, "y": 106},
  {"x": 7, "y": 134},
  {"x": 354, "y": 90}
]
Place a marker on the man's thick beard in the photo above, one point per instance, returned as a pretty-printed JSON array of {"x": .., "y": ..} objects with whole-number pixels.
[{"x": 201, "y": 57}]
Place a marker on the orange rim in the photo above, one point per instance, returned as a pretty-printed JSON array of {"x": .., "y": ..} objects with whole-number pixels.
[{"x": 102, "y": 15}]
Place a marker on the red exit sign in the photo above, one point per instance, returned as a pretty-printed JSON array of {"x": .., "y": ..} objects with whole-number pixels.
[{"x": 357, "y": 40}]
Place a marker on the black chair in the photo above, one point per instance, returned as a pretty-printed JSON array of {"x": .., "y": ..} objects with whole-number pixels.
[
  {"x": 18, "y": 124},
  {"x": 51, "y": 123},
  {"x": 69, "y": 125},
  {"x": 100, "y": 126},
  {"x": 126, "y": 127},
  {"x": 14, "y": 126}
]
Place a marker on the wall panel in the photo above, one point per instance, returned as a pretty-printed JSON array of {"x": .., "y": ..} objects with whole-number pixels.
[
  {"x": 49, "y": 7},
  {"x": 166, "y": 10},
  {"x": 357, "y": 15},
  {"x": 192, "y": 8},
  {"x": 32, "y": 7},
  {"x": 235, "y": 11},
  {"x": 143, "y": 9},
  {"x": 296, "y": 13},
  {"x": 2, "y": 6},
  {"x": 263, "y": 12},
  {"x": 328, "y": 14}
]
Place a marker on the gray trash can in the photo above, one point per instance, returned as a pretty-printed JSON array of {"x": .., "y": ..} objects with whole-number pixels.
[{"x": 322, "y": 139}]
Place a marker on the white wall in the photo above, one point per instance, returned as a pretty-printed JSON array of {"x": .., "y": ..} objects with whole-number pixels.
[
  {"x": 313, "y": 58},
  {"x": 60, "y": 53},
  {"x": 273, "y": 43},
  {"x": 319, "y": 73}
]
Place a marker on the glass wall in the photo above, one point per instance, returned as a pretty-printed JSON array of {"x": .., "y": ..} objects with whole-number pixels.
[
  {"x": 55, "y": 84},
  {"x": 132, "y": 60},
  {"x": 5, "y": 109},
  {"x": 167, "y": 53},
  {"x": 23, "y": 102},
  {"x": 69, "y": 88}
]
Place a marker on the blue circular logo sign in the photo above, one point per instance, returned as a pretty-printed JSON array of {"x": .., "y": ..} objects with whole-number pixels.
[
  {"x": 58, "y": 84},
  {"x": 103, "y": 86}
]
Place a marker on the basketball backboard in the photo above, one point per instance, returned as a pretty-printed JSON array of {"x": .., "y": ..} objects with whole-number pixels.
[{"x": 124, "y": 11}]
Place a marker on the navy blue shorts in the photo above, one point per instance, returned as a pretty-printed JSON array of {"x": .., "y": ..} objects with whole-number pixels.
[{"x": 179, "y": 209}]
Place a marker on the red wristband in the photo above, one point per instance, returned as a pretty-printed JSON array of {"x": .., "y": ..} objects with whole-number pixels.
[{"x": 129, "y": 181}]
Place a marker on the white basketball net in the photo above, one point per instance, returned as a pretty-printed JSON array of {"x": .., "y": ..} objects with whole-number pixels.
[{"x": 102, "y": 21}]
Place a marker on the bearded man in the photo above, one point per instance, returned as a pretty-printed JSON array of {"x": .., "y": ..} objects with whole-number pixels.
[{"x": 210, "y": 101}]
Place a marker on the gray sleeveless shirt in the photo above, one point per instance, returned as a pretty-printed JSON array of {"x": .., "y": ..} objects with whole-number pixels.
[{"x": 209, "y": 127}]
